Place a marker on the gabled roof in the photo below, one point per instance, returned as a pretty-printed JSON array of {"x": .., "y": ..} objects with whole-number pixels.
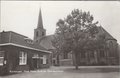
[
  {"x": 108, "y": 35},
  {"x": 46, "y": 42},
  {"x": 12, "y": 38}
]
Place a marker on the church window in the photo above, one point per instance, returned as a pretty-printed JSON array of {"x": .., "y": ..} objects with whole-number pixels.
[
  {"x": 111, "y": 48},
  {"x": 37, "y": 34},
  {"x": 82, "y": 54},
  {"x": 43, "y": 33},
  {"x": 102, "y": 54},
  {"x": 111, "y": 44},
  {"x": 65, "y": 55}
]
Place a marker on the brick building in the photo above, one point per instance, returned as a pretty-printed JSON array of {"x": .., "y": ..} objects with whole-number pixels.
[{"x": 18, "y": 52}]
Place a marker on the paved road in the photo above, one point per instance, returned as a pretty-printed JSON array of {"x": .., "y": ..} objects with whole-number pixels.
[{"x": 70, "y": 72}]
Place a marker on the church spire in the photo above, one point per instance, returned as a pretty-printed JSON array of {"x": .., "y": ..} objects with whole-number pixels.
[
  {"x": 39, "y": 32},
  {"x": 40, "y": 22}
]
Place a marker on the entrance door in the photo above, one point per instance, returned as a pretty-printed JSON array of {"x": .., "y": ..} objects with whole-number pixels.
[{"x": 35, "y": 63}]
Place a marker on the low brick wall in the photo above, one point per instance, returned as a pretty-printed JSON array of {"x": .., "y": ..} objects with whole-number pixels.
[
  {"x": 66, "y": 62},
  {"x": 22, "y": 68},
  {"x": 44, "y": 66}
]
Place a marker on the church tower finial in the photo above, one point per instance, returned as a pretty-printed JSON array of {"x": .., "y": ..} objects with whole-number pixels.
[{"x": 40, "y": 22}]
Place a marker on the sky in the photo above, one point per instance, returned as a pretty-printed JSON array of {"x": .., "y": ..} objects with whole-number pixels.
[{"x": 22, "y": 16}]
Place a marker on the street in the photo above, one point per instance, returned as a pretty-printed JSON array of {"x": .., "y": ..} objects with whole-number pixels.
[{"x": 70, "y": 72}]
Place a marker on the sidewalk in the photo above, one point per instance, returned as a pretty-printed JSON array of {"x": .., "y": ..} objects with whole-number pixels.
[{"x": 86, "y": 67}]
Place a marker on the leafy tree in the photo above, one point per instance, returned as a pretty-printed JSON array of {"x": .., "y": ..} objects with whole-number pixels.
[
  {"x": 60, "y": 46},
  {"x": 74, "y": 32},
  {"x": 57, "y": 43}
]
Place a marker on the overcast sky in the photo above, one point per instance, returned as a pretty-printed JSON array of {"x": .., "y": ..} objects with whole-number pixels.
[{"x": 22, "y": 16}]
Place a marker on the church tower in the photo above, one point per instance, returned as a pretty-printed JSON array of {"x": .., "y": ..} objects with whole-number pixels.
[{"x": 39, "y": 32}]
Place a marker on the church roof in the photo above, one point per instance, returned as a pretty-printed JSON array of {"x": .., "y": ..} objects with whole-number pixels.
[
  {"x": 15, "y": 39},
  {"x": 108, "y": 35},
  {"x": 46, "y": 42}
]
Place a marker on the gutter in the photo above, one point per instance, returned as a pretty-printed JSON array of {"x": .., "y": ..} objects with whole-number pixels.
[{"x": 25, "y": 47}]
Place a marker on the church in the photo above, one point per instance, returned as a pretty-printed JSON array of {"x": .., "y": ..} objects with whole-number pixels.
[{"x": 110, "y": 57}]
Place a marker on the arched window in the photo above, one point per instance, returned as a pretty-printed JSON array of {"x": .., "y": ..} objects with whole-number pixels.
[
  {"x": 43, "y": 33},
  {"x": 37, "y": 34},
  {"x": 111, "y": 44},
  {"x": 65, "y": 55},
  {"x": 111, "y": 48},
  {"x": 102, "y": 53}
]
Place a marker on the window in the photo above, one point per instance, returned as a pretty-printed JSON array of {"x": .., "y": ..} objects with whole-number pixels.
[
  {"x": 65, "y": 55},
  {"x": 111, "y": 48},
  {"x": 30, "y": 41},
  {"x": 102, "y": 54},
  {"x": 110, "y": 44},
  {"x": 23, "y": 58},
  {"x": 69, "y": 55},
  {"x": 92, "y": 54},
  {"x": 43, "y": 33},
  {"x": 37, "y": 34},
  {"x": 82, "y": 54},
  {"x": 1, "y": 57},
  {"x": 43, "y": 59}
]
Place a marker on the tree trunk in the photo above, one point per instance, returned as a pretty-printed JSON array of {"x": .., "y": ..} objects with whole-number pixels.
[
  {"x": 58, "y": 60},
  {"x": 76, "y": 61}
]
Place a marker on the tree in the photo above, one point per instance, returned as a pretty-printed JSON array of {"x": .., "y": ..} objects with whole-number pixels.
[
  {"x": 57, "y": 43},
  {"x": 75, "y": 31},
  {"x": 60, "y": 46}
]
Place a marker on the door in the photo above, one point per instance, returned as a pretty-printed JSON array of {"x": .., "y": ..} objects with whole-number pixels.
[{"x": 35, "y": 63}]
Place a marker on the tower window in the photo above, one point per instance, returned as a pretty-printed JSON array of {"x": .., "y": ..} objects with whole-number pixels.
[
  {"x": 37, "y": 34},
  {"x": 43, "y": 33}
]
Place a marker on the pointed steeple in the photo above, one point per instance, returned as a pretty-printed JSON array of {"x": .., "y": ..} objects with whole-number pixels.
[
  {"x": 40, "y": 22},
  {"x": 39, "y": 32}
]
